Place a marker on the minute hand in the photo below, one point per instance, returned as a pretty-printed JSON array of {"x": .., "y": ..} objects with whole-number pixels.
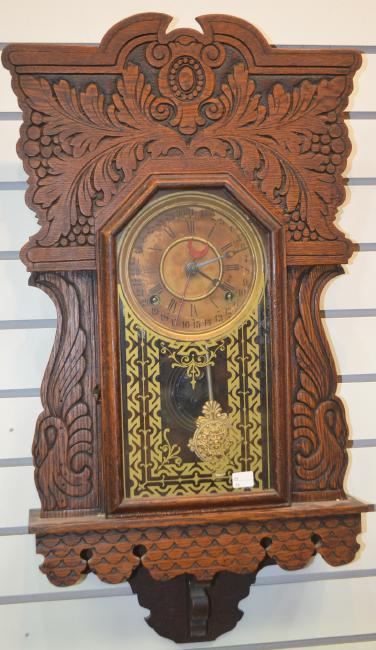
[{"x": 213, "y": 259}]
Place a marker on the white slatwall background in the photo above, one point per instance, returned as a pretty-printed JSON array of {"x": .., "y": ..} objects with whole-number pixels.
[{"x": 316, "y": 607}]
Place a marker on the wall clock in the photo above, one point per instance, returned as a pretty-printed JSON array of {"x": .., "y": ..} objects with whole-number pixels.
[{"x": 186, "y": 185}]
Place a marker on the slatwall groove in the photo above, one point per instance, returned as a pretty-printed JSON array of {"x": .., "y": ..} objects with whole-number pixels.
[
  {"x": 120, "y": 591},
  {"x": 48, "y": 323},
  {"x": 356, "y": 115},
  {"x": 19, "y": 392},
  {"x": 16, "y": 462},
  {"x": 347, "y": 313},
  {"x": 28, "y": 461},
  {"x": 364, "y": 49},
  {"x": 352, "y": 115},
  {"x": 83, "y": 594},
  {"x": 363, "y": 133},
  {"x": 303, "y": 643},
  {"x": 9, "y": 255},
  {"x": 369, "y": 246},
  {"x": 356, "y": 181},
  {"x": 362, "y": 442},
  {"x": 35, "y": 392},
  {"x": 36, "y": 323},
  {"x": 13, "y": 185},
  {"x": 13, "y": 530},
  {"x": 353, "y": 181},
  {"x": 356, "y": 378},
  {"x": 10, "y": 115}
]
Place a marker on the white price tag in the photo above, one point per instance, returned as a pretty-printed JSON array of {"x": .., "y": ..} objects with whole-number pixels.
[{"x": 242, "y": 479}]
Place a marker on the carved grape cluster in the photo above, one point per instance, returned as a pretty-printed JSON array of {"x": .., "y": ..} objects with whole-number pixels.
[
  {"x": 330, "y": 146},
  {"x": 297, "y": 229},
  {"x": 39, "y": 147},
  {"x": 80, "y": 234}
]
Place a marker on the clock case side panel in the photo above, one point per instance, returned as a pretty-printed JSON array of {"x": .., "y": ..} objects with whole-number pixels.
[
  {"x": 109, "y": 345},
  {"x": 319, "y": 428},
  {"x": 66, "y": 447}
]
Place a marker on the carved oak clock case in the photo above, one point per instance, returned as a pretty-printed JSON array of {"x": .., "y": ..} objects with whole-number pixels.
[{"x": 186, "y": 185}]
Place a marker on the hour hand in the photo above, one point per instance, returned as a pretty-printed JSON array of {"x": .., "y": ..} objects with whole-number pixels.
[
  {"x": 213, "y": 280},
  {"x": 226, "y": 287}
]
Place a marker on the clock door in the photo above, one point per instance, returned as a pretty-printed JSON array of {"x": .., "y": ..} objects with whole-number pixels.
[{"x": 195, "y": 334}]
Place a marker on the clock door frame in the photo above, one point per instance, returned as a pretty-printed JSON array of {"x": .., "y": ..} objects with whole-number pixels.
[{"x": 112, "y": 444}]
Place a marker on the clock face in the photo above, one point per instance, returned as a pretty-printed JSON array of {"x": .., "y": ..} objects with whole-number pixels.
[
  {"x": 191, "y": 266},
  {"x": 194, "y": 342}
]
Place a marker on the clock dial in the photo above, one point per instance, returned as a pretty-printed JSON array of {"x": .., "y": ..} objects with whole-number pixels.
[{"x": 191, "y": 266}]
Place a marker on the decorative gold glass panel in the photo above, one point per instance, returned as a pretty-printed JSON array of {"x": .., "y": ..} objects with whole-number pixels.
[{"x": 193, "y": 328}]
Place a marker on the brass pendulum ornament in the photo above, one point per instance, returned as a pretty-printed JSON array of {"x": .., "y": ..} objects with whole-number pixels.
[{"x": 215, "y": 437}]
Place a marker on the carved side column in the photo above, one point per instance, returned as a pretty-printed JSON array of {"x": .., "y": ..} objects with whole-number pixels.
[
  {"x": 65, "y": 448},
  {"x": 319, "y": 426}
]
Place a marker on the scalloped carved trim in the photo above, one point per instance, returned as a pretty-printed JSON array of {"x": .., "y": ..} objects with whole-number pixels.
[
  {"x": 320, "y": 430},
  {"x": 64, "y": 442},
  {"x": 201, "y": 551}
]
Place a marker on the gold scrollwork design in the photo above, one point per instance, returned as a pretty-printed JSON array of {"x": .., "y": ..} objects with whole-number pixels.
[
  {"x": 155, "y": 466},
  {"x": 171, "y": 453},
  {"x": 192, "y": 358}
]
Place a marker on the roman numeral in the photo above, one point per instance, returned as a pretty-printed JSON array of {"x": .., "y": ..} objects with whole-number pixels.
[
  {"x": 227, "y": 246},
  {"x": 169, "y": 231},
  {"x": 231, "y": 267},
  {"x": 194, "y": 313},
  {"x": 240, "y": 250},
  {"x": 172, "y": 305},
  {"x": 157, "y": 289},
  {"x": 134, "y": 267},
  {"x": 212, "y": 229},
  {"x": 190, "y": 225},
  {"x": 227, "y": 287}
]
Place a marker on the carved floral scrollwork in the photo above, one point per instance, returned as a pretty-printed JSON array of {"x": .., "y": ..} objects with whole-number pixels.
[
  {"x": 289, "y": 144},
  {"x": 320, "y": 429},
  {"x": 63, "y": 444},
  {"x": 108, "y": 141},
  {"x": 81, "y": 148}
]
